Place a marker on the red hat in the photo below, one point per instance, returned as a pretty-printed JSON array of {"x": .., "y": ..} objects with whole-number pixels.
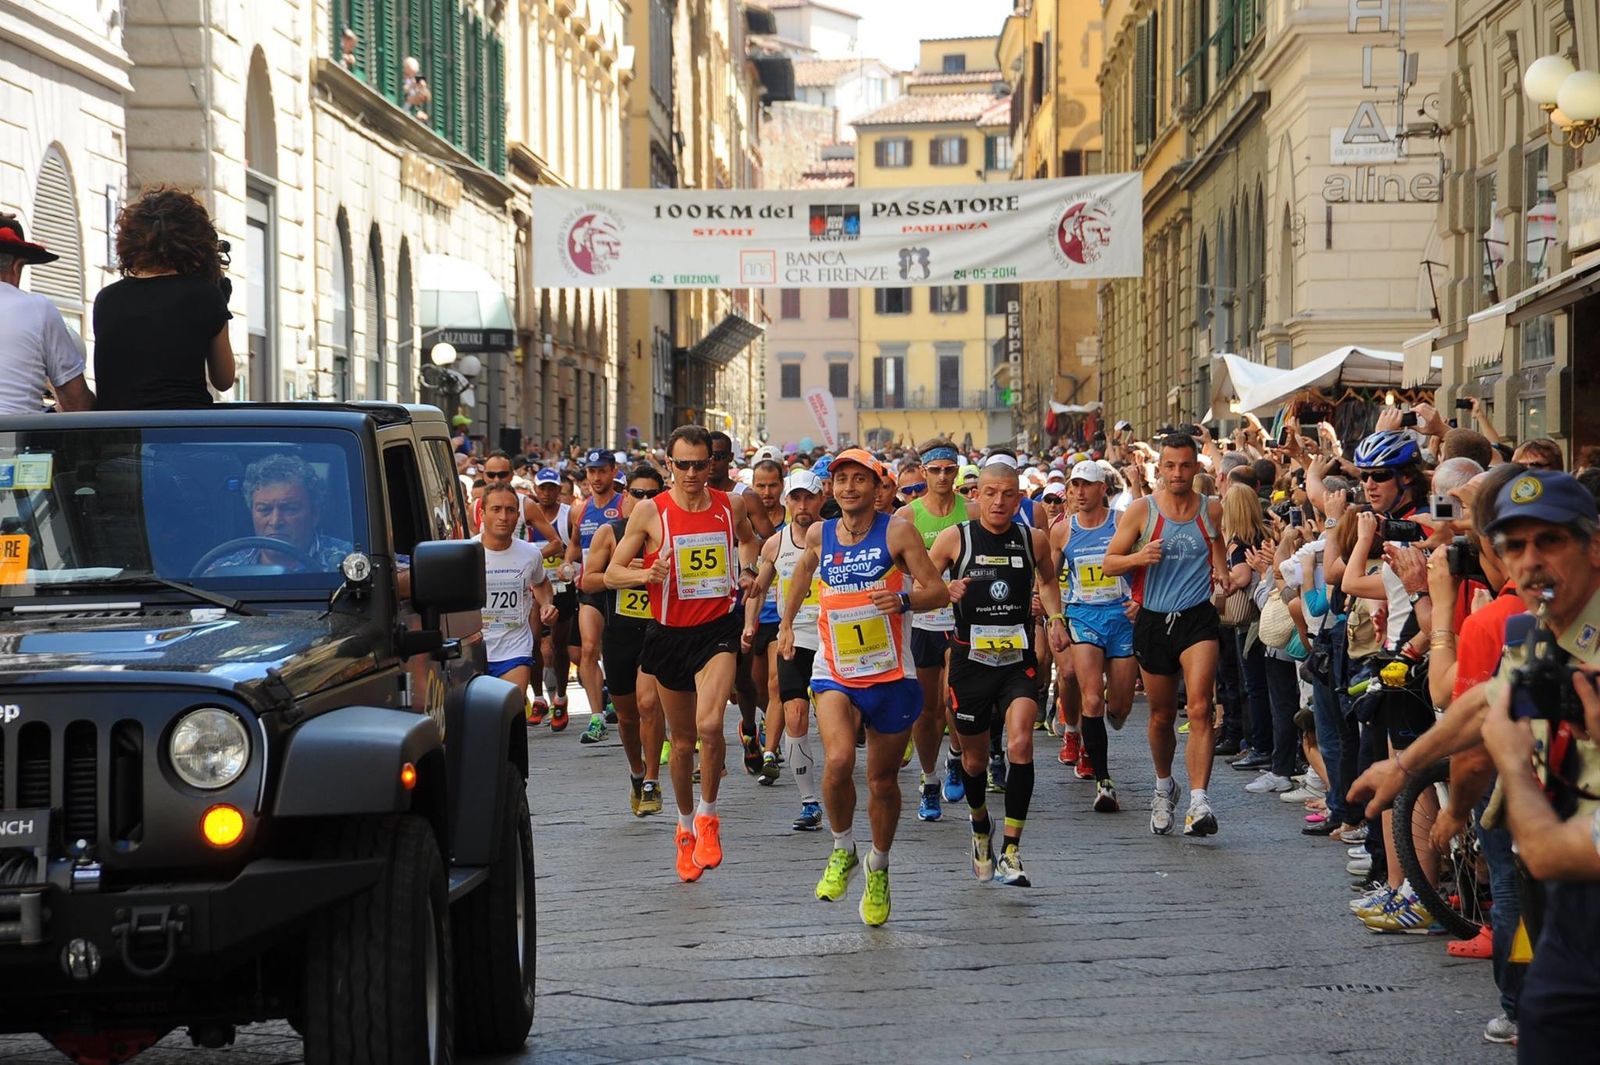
[{"x": 12, "y": 243}]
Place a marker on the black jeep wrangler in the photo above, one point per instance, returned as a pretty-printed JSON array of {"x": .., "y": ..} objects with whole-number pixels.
[{"x": 250, "y": 766}]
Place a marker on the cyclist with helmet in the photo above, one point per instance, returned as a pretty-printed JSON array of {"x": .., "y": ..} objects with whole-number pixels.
[{"x": 1391, "y": 471}]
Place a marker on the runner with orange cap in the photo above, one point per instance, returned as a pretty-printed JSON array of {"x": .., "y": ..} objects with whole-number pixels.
[{"x": 863, "y": 669}]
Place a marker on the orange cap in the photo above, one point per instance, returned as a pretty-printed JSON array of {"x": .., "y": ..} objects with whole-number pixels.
[{"x": 859, "y": 456}]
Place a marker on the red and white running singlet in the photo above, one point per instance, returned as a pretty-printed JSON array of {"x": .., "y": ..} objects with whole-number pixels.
[{"x": 700, "y": 586}]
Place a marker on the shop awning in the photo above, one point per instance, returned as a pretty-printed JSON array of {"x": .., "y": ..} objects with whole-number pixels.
[
  {"x": 1486, "y": 330},
  {"x": 1418, "y": 352},
  {"x": 1554, "y": 293},
  {"x": 462, "y": 305},
  {"x": 1346, "y": 367},
  {"x": 1232, "y": 375},
  {"x": 726, "y": 339}
]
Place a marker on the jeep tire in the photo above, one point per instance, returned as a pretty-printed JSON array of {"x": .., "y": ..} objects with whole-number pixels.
[
  {"x": 494, "y": 936},
  {"x": 378, "y": 965}
]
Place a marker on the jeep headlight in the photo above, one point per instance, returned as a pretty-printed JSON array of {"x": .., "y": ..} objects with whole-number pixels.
[{"x": 209, "y": 748}]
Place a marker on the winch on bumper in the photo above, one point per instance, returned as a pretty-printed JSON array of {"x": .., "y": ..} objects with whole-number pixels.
[{"x": 70, "y": 930}]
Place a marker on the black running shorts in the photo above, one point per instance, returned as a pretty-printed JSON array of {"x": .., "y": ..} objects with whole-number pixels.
[
  {"x": 980, "y": 695},
  {"x": 766, "y": 635},
  {"x": 620, "y": 649},
  {"x": 1159, "y": 640},
  {"x": 794, "y": 674},
  {"x": 673, "y": 655}
]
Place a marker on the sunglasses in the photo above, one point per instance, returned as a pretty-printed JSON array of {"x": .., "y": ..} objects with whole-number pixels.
[
  {"x": 968, "y": 490},
  {"x": 691, "y": 464},
  {"x": 940, "y": 471},
  {"x": 644, "y": 493},
  {"x": 500, "y": 476},
  {"x": 914, "y": 489},
  {"x": 1377, "y": 476}
]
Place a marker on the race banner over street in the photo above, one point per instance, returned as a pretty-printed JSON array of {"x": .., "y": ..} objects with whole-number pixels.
[{"x": 1062, "y": 229}]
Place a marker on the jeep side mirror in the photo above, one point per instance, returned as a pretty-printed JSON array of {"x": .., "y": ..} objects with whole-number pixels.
[{"x": 447, "y": 577}]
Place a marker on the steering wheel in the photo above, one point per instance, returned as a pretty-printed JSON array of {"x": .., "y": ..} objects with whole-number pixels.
[{"x": 260, "y": 543}]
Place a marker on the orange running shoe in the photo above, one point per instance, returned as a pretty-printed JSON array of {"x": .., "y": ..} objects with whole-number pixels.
[
  {"x": 707, "y": 841},
  {"x": 1071, "y": 748},
  {"x": 537, "y": 708},
  {"x": 558, "y": 716},
  {"x": 688, "y": 871},
  {"x": 1085, "y": 769}
]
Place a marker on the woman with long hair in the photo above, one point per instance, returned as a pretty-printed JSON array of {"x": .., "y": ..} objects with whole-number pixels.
[
  {"x": 162, "y": 331},
  {"x": 1244, "y": 529}
]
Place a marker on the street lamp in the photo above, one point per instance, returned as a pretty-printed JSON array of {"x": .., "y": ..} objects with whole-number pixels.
[
  {"x": 443, "y": 354},
  {"x": 1571, "y": 97}
]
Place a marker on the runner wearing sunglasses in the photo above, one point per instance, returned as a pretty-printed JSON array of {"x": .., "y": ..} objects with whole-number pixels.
[
  {"x": 931, "y": 513},
  {"x": 699, "y": 554},
  {"x": 744, "y": 684},
  {"x": 600, "y": 470},
  {"x": 639, "y": 721}
]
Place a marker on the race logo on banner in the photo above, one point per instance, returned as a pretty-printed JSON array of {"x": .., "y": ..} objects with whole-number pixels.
[{"x": 846, "y": 238}]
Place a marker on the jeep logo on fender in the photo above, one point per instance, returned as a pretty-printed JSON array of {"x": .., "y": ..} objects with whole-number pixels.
[{"x": 9, "y": 712}]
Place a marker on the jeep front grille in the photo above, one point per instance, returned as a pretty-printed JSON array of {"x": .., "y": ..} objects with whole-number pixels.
[{"x": 91, "y": 777}]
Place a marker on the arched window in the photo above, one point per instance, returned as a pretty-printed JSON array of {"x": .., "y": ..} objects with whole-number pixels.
[
  {"x": 377, "y": 360},
  {"x": 1258, "y": 276},
  {"x": 1286, "y": 293},
  {"x": 54, "y": 223},
  {"x": 405, "y": 318},
  {"x": 342, "y": 334},
  {"x": 1203, "y": 290},
  {"x": 259, "y": 382},
  {"x": 1228, "y": 282}
]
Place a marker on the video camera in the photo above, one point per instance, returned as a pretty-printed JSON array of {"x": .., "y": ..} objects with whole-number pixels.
[
  {"x": 1392, "y": 530},
  {"x": 1465, "y": 563},
  {"x": 1541, "y": 688}
]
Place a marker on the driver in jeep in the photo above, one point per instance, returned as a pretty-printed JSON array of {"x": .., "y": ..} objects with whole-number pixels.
[{"x": 285, "y": 496}]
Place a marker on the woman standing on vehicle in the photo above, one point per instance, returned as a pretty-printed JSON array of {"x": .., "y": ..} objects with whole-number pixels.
[{"x": 162, "y": 330}]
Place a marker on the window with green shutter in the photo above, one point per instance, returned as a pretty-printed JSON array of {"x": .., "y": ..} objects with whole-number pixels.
[
  {"x": 384, "y": 72},
  {"x": 351, "y": 14},
  {"x": 461, "y": 57}
]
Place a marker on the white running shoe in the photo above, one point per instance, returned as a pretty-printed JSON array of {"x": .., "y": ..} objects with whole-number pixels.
[
  {"x": 1267, "y": 783},
  {"x": 1199, "y": 821},
  {"x": 1163, "y": 804}
]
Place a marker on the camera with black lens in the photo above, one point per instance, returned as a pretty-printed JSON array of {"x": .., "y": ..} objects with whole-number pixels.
[
  {"x": 1465, "y": 563},
  {"x": 1541, "y": 688},
  {"x": 1393, "y": 530}
]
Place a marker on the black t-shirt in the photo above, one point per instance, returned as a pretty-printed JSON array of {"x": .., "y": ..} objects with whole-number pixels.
[
  {"x": 1238, "y": 551},
  {"x": 152, "y": 336}
]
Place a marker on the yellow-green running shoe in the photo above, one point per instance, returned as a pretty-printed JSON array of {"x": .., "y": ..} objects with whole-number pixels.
[
  {"x": 666, "y": 751},
  {"x": 875, "y": 900},
  {"x": 836, "y": 877}
]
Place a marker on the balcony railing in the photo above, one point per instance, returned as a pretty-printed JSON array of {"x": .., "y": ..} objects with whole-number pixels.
[{"x": 933, "y": 399}]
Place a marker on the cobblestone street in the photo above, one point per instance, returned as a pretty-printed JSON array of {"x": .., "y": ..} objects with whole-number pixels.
[{"x": 1130, "y": 948}]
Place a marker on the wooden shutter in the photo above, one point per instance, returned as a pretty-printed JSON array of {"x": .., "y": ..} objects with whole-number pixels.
[
  {"x": 877, "y": 152},
  {"x": 438, "y": 68},
  {"x": 363, "y": 27},
  {"x": 961, "y": 151},
  {"x": 385, "y": 73},
  {"x": 413, "y": 33},
  {"x": 455, "y": 71},
  {"x": 54, "y": 224},
  {"x": 497, "y": 106}
]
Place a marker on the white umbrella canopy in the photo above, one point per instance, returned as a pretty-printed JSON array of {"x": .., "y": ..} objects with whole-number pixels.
[{"x": 1349, "y": 366}]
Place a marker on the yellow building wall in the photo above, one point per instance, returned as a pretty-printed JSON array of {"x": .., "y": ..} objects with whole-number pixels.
[
  {"x": 978, "y": 52},
  {"x": 922, "y": 331}
]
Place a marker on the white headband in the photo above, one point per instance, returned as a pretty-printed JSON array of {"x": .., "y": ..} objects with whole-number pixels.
[{"x": 1001, "y": 459}]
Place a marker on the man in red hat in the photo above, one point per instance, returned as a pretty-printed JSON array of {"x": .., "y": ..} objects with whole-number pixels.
[{"x": 36, "y": 350}]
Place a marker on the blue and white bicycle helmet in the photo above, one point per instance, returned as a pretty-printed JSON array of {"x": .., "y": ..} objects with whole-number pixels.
[{"x": 1387, "y": 450}]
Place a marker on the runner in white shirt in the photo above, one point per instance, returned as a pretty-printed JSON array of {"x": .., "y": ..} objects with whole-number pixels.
[{"x": 515, "y": 583}]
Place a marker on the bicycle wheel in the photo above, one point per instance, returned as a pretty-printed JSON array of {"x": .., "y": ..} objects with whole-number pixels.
[{"x": 1460, "y": 899}]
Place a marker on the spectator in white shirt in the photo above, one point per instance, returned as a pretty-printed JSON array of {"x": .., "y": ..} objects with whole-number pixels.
[{"x": 37, "y": 352}]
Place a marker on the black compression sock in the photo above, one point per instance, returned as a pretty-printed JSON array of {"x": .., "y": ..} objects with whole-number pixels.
[
  {"x": 977, "y": 788},
  {"x": 1019, "y": 791},
  {"x": 1094, "y": 741}
]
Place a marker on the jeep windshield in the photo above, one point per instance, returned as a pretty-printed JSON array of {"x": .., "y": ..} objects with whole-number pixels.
[{"x": 229, "y": 509}]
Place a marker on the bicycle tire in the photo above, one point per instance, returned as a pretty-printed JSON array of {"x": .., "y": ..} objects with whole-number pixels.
[{"x": 1452, "y": 918}]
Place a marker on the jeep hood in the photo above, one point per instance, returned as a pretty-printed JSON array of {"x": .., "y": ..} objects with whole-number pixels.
[{"x": 307, "y": 649}]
